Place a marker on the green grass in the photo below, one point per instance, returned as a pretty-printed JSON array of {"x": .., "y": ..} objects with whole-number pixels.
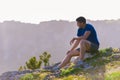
[
  {"x": 113, "y": 76},
  {"x": 75, "y": 77},
  {"x": 70, "y": 71},
  {"x": 27, "y": 77}
]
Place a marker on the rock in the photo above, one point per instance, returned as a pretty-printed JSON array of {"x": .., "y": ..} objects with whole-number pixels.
[
  {"x": 116, "y": 56},
  {"x": 103, "y": 58},
  {"x": 53, "y": 75},
  {"x": 50, "y": 67},
  {"x": 15, "y": 75}
]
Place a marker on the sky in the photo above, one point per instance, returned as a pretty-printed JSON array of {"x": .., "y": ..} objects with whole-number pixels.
[{"x": 35, "y": 11}]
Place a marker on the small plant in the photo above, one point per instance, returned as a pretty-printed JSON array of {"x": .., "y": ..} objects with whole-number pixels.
[
  {"x": 25, "y": 68},
  {"x": 69, "y": 71},
  {"x": 20, "y": 68},
  {"x": 33, "y": 64},
  {"x": 45, "y": 57},
  {"x": 27, "y": 77},
  {"x": 105, "y": 52},
  {"x": 116, "y": 50}
]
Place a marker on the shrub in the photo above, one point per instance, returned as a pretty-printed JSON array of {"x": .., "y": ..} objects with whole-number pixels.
[
  {"x": 33, "y": 63},
  {"x": 45, "y": 57}
]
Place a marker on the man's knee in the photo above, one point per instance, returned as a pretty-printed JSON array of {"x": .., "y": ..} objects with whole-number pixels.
[
  {"x": 70, "y": 54},
  {"x": 82, "y": 42},
  {"x": 85, "y": 44}
]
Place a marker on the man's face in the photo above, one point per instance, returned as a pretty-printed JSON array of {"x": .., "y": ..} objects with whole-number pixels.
[{"x": 80, "y": 24}]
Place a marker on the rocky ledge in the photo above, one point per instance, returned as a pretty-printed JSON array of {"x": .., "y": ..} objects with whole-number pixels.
[{"x": 15, "y": 75}]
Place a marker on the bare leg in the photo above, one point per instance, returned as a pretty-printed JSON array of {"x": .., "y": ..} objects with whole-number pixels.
[
  {"x": 68, "y": 57},
  {"x": 84, "y": 45}
]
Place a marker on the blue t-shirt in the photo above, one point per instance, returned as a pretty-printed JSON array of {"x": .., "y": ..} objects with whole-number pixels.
[{"x": 93, "y": 35}]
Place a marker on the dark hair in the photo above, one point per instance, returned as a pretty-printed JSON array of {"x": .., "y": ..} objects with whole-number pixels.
[{"x": 81, "y": 19}]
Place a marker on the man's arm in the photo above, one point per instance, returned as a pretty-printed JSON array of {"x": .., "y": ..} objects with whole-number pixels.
[
  {"x": 85, "y": 36},
  {"x": 75, "y": 45}
]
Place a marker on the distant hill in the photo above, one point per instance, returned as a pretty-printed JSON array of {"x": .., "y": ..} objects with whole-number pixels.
[{"x": 19, "y": 41}]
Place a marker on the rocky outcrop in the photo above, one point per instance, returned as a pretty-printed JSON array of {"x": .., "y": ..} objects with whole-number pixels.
[{"x": 15, "y": 75}]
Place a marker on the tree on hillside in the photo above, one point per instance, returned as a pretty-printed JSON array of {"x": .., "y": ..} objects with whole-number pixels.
[
  {"x": 33, "y": 63},
  {"x": 45, "y": 57}
]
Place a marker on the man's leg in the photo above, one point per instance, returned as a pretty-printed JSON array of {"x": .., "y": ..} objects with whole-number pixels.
[
  {"x": 84, "y": 46},
  {"x": 68, "y": 57}
]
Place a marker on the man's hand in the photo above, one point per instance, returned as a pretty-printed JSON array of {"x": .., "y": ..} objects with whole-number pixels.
[
  {"x": 72, "y": 41},
  {"x": 68, "y": 52}
]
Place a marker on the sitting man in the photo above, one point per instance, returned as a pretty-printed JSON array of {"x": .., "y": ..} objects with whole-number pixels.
[{"x": 87, "y": 41}]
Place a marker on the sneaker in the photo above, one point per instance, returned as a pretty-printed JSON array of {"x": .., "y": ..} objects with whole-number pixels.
[
  {"x": 79, "y": 64},
  {"x": 55, "y": 69}
]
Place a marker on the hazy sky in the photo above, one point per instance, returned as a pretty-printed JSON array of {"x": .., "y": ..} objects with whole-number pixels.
[{"x": 35, "y": 11}]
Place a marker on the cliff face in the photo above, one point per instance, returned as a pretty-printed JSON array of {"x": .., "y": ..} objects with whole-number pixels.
[{"x": 19, "y": 41}]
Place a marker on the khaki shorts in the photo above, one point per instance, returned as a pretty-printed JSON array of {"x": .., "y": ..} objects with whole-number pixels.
[{"x": 93, "y": 48}]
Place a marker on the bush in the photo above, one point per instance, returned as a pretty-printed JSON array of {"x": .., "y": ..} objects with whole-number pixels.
[
  {"x": 33, "y": 64},
  {"x": 20, "y": 68},
  {"x": 45, "y": 57}
]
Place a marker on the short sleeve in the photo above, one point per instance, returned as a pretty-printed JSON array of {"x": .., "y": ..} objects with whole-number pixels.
[
  {"x": 79, "y": 33},
  {"x": 89, "y": 28}
]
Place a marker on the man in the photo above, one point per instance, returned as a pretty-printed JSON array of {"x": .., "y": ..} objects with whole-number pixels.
[{"x": 87, "y": 41}]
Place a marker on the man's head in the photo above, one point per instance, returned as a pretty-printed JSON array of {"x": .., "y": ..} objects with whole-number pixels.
[{"x": 81, "y": 22}]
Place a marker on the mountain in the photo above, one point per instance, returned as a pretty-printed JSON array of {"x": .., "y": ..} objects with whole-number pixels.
[{"x": 20, "y": 41}]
